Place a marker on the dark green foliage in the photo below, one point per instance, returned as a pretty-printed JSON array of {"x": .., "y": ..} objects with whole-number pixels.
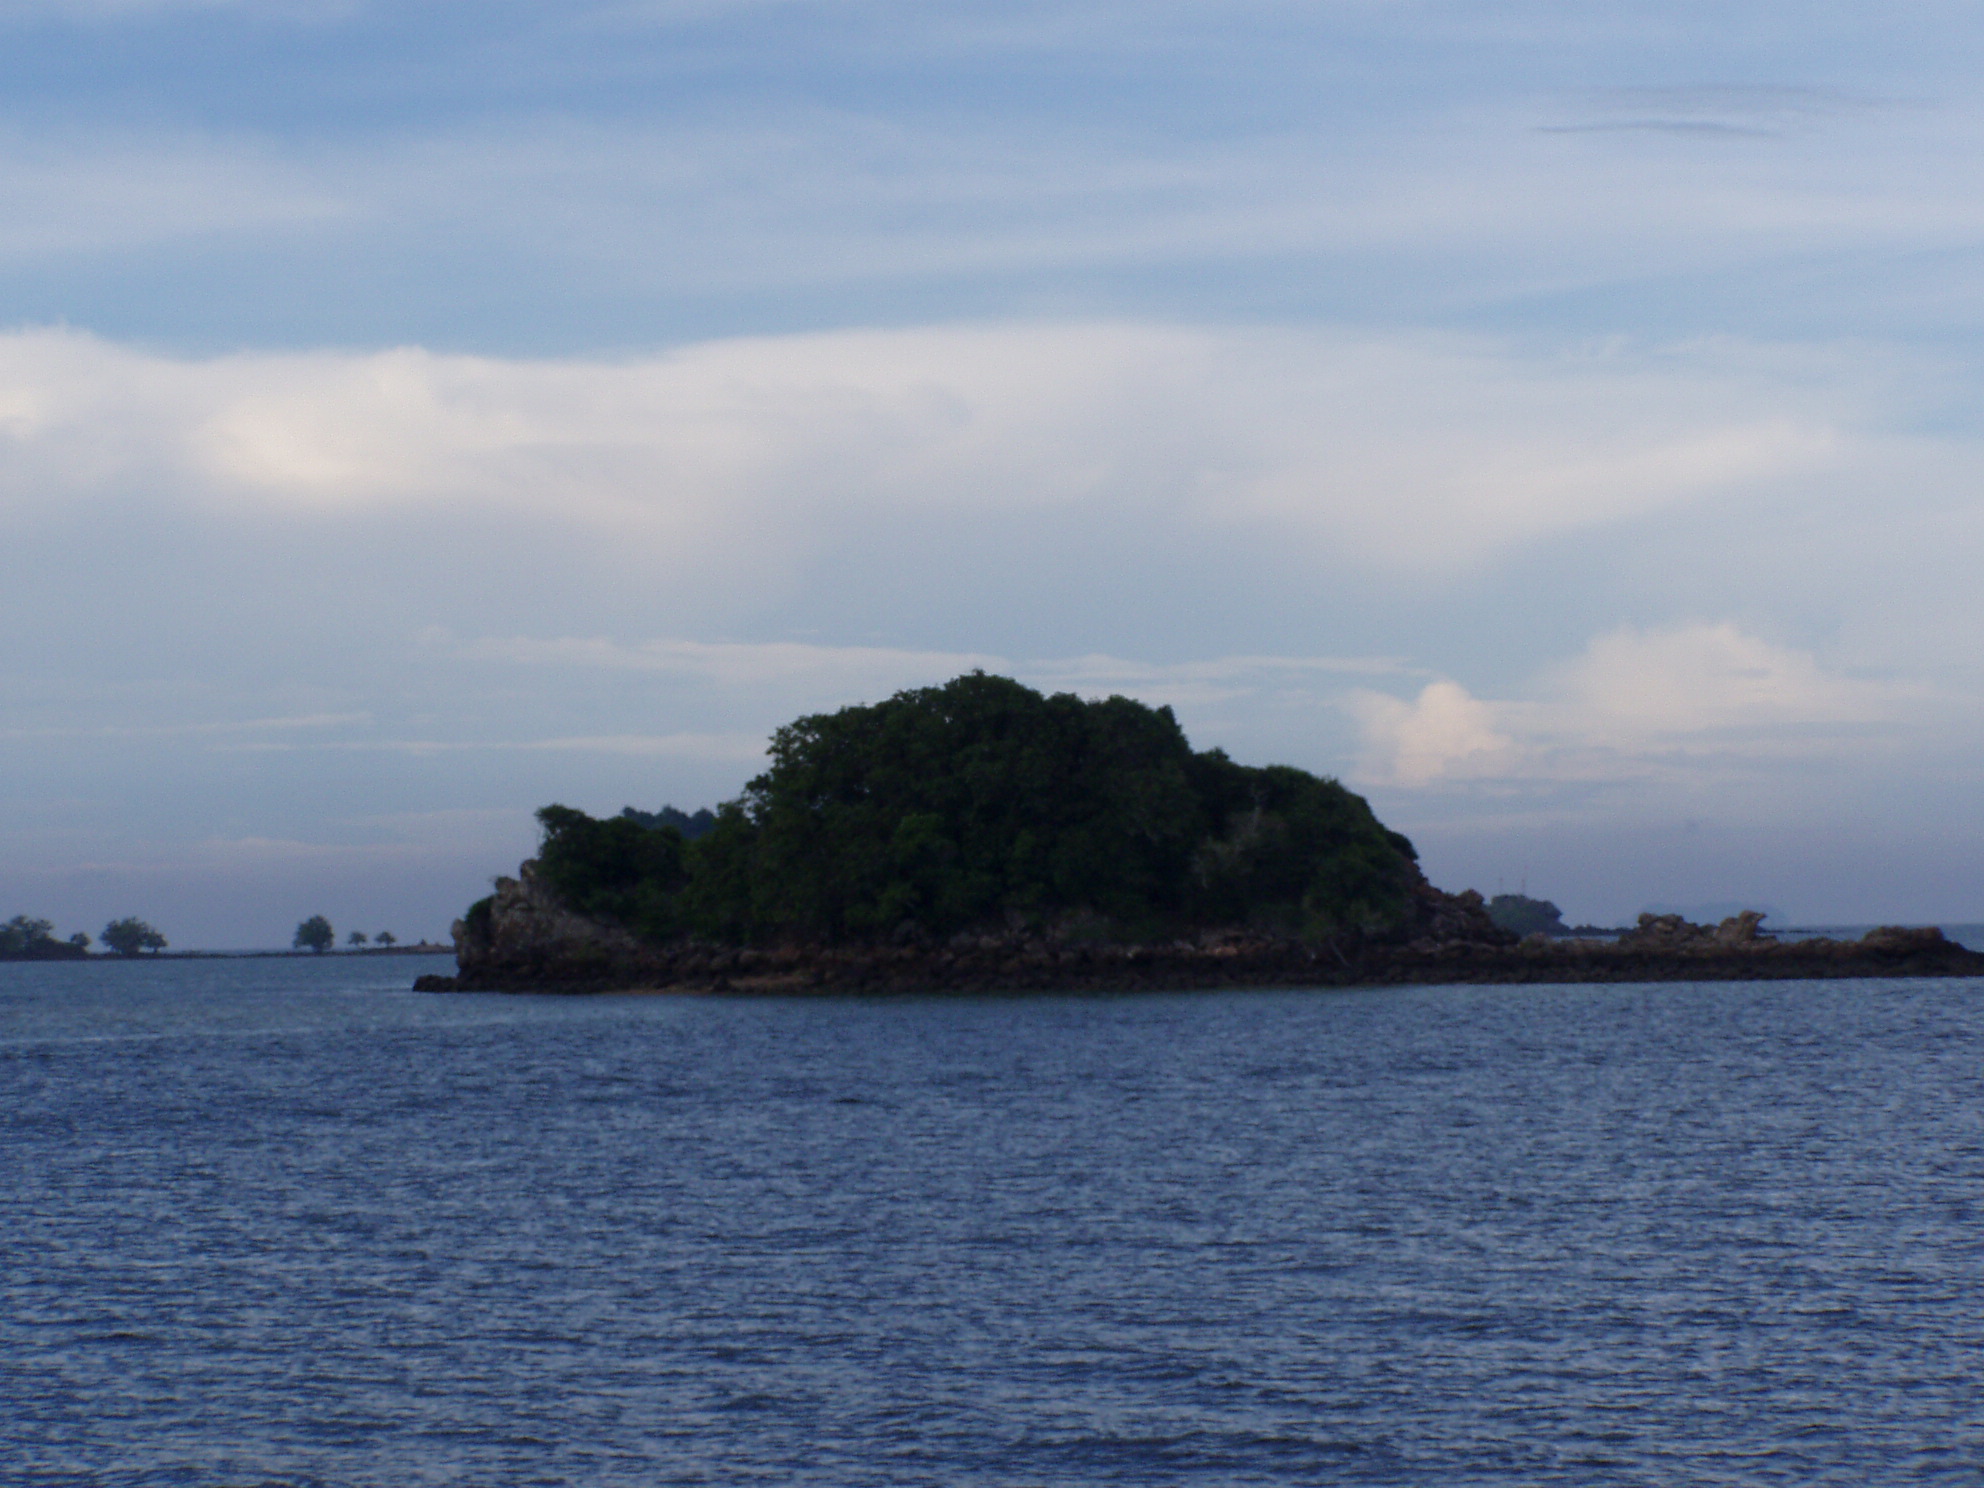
[
  {"x": 691, "y": 827},
  {"x": 983, "y": 802},
  {"x": 34, "y": 939},
  {"x": 1525, "y": 916},
  {"x": 315, "y": 934},
  {"x": 22, "y": 936},
  {"x": 128, "y": 937},
  {"x": 615, "y": 869},
  {"x": 720, "y": 897},
  {"x": 480, "y": 918},
  {"x": 1295, "y": 851},
  {"x": 953, "y": 805}
]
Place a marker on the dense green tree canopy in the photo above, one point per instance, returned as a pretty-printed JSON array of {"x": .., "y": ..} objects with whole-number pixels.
[
  {"x": 24, "y": 935},
  {"x": 28, "y": 938},
  {"x": 314, "y": 934},
  {"x": 128, "y": 937},
  {"x": 980, "y": 802}
]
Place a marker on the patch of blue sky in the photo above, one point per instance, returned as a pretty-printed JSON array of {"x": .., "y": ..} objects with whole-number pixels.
[{"x": 523, "y": 178}]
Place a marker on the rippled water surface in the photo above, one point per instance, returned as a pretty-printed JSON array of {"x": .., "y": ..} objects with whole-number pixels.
[{"x": 283, "y": 1222}]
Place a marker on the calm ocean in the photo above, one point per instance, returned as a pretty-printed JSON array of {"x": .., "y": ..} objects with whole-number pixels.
[{"x": 284, "y": 1222}]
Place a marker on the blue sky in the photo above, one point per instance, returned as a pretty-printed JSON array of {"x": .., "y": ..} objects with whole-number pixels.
[{"x": 1559, "y": 421}]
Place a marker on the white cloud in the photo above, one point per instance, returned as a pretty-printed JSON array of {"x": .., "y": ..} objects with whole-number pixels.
[
  {"x": 1437, "y": 452},
  {"x": 1407, "y": 452},
  {"x": 1636, "y": 686},
  {"x": 644, "y": 564},
  {"x": 1442, "y": 734},
  {"x": 1692, "y": 700}
]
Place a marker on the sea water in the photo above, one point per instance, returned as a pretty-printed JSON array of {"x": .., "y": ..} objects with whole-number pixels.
[{"x": 286, "y": 1222}]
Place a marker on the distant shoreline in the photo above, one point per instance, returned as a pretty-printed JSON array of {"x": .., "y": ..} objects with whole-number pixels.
[
  {"x": 1236, "y": 959},
  {"x": 421, "y": 948}
]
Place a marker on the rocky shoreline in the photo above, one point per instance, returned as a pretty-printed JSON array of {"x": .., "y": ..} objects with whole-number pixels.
[{"x": 531, "y": 943}]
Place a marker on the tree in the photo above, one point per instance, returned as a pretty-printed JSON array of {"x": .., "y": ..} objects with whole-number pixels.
[
  {"x": 386, "y": 938},
  {"x": 356, "y": 938},
  {"x": 985, "y": 803},
  {"x": 315, "y": 934},
  {"x": 22, "y": 936},
  {"x": 128, "y": 937},
  {"x": 616, "y": 869}
]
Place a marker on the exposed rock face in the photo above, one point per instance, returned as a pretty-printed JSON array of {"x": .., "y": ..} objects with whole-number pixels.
[
  {"x": 1739, "y": 934},
  {"x": 528, "y": 941},
  {"x": 1449, "y": 923},
  {"x": 1670, "y": 932},
  {"x": 526, "y": 921}
]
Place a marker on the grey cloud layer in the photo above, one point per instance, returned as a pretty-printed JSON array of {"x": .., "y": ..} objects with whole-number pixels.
[
  {"x": 739, "y": 455},
  {"x": 421, "y": 583}
]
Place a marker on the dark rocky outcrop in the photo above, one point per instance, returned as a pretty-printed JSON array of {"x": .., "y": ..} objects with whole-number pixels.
[
  {"x": 1669, "y": 932},
  {"x": 527, "y": 941}
]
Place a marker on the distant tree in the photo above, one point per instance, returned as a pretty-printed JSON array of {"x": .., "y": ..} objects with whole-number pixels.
[
  {"x": 20, "y": 935},
  {"x": 25, "y": 938},
  {"x": 386, "y": 938},
  {"x": 356, "y": 938},
  {"x": 315, "y": 934},
  {"x": 1525, "y": 916},
  {"x": 80, "y": 941},
  {"x": 130, "y": 936}
]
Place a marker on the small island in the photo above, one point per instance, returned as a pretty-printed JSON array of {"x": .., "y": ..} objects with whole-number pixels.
[{"x": 982, "y": 836}]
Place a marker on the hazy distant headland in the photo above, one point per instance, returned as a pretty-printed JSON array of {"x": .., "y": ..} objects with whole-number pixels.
[
  {"x": 980, "y": 835},
  {"x": 29, "y": 938}
]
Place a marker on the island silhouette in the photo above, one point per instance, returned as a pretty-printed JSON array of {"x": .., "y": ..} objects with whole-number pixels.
[{"x": 983, "y": 835}]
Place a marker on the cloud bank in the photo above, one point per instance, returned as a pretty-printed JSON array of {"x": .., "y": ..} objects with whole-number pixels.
[
  {"x": 731, "y": 444},
  {"x": 1510, "y": 588},
  {"x": 1639, "y": 705}
]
